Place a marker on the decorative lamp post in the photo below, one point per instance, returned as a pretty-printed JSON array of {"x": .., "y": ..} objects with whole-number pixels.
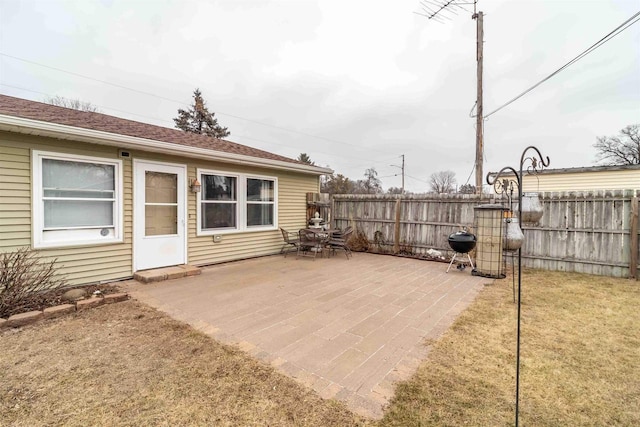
[{"x": 529, "y": 211}]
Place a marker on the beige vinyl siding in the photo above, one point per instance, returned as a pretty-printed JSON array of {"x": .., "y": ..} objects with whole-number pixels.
[
  {"x": 292, "y": 198},
  {"x": 15, "y": 193},
  {"x": 101, "y": 263},
  {"x": 82, "y": 264},
  {"x": 583, "y": 181},
  {"x": 292, "y": 190},
  {"x": 201, "y": 250}
]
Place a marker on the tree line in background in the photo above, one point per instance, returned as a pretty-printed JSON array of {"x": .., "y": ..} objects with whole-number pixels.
[
  {"x": 340, "y": 184},
  {"x": 440, "y": 182},
  {"x": 622, "y": 149},
  {"x": 74, "y": 104}
]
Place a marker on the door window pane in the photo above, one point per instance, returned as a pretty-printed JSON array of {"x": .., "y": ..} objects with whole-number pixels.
[
  {"x": 161, "y": 187},
  {"x": 160, "y": 220}
]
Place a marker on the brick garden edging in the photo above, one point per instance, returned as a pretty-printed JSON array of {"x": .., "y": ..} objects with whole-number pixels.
[{"x": 29, "y": 317}]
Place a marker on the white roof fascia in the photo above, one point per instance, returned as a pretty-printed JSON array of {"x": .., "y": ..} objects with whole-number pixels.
[{"x": 55, "y": 130}]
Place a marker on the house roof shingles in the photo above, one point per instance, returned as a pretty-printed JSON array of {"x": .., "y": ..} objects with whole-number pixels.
[{"x": 39, "y": 111}]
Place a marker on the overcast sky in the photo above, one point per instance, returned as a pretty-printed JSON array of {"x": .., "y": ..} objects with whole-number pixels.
[{"x": 352, "y": 83}]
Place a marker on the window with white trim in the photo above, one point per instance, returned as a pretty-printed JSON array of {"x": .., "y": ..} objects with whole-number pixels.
[
  {"x": 219, "y": 202},
  {"x": 260, "y": 202},
  {"x": 76, "y": 200},
  {"x": 232, "y": 202}
]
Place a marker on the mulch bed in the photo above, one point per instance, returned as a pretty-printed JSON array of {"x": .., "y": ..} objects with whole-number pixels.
[{"x": 42, "y": 300}]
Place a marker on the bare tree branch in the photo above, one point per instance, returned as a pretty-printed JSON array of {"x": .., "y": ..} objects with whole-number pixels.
[
  {"x": 75, "y": 104},
  {"x": 623, "y": 149},
  {"x": 442, "y": 182}
]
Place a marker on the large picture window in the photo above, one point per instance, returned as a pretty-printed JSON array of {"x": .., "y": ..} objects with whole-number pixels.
[
  {"x": 236, "y": 202},
  {"x": 77, "y": 200}
]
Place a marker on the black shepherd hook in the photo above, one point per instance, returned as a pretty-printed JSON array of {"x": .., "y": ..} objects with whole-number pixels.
[{"x": 502, "y": 182}]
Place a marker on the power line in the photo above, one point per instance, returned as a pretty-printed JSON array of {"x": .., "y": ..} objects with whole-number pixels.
[
  {"x": 386, "y": 160},
  {"x": 93, "y": 78},
  {"x": 417, "y": 179},
  {"x": 100, "y": 106},
  {"x": 590, "y": 49},
  {"x": 183, "y": 103}
]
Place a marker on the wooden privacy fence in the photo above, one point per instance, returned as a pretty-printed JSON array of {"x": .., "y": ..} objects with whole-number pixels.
[
  {"x": 411, "y": 223},
  {"x": 593, "y": 233}
]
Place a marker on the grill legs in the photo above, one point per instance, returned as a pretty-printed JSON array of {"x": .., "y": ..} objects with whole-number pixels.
[{"x": 454, "y": 258}]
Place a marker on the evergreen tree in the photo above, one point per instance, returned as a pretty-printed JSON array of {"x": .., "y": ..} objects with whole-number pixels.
[
  {"x": 198, "y": 119},
  {"x": 304, "y": 158}
]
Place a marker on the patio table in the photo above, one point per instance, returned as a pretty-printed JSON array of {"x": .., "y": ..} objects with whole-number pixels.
[{"x": 321, "y": 237}]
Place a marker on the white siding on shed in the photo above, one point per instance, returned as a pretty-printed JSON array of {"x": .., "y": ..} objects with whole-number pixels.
[{"x": 583, "y": 181}]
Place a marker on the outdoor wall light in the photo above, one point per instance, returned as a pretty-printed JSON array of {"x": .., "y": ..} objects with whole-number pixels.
[{"x": 195, "y": 186}]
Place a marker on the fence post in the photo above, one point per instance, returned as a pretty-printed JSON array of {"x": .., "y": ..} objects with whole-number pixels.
[
  {"x": 396, "y": 237},
  {"x": 633, "y": 239},
  {"x": 332, "y": 208}
]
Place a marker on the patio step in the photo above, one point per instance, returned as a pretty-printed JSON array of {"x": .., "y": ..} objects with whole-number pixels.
[{"x": 165, "y": 273}]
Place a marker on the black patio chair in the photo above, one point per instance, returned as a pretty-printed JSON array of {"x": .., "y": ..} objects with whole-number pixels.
[
  {"x": 341, "y": 242},
  {"x": 310, "y": 243},
  {"x": 339, "y": 233},
  {"x": 290, "y": 239}
]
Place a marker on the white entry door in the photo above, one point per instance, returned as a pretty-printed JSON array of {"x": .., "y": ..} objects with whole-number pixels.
[{"x": 159, "y": 215}]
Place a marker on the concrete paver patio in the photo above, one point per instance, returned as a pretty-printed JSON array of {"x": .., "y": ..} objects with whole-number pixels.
[{"x": 347, "y": 328}]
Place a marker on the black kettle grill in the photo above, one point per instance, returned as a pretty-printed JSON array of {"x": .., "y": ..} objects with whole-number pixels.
[{"x": 462, "y": 242}]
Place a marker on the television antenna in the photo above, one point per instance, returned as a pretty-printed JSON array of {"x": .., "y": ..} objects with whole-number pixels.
[{"x": 438, "y": 11}]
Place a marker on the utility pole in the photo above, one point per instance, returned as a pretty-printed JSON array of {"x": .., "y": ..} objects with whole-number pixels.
[
  {"x": 403, "y": 174},
  {"x": 401, "y": 167},
  {"x": 479, "y": 113}
]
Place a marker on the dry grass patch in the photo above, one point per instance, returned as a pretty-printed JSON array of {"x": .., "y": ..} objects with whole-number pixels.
[
  {"x": 127, "y": 364},
  {"x": 580, "y": 360}
]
